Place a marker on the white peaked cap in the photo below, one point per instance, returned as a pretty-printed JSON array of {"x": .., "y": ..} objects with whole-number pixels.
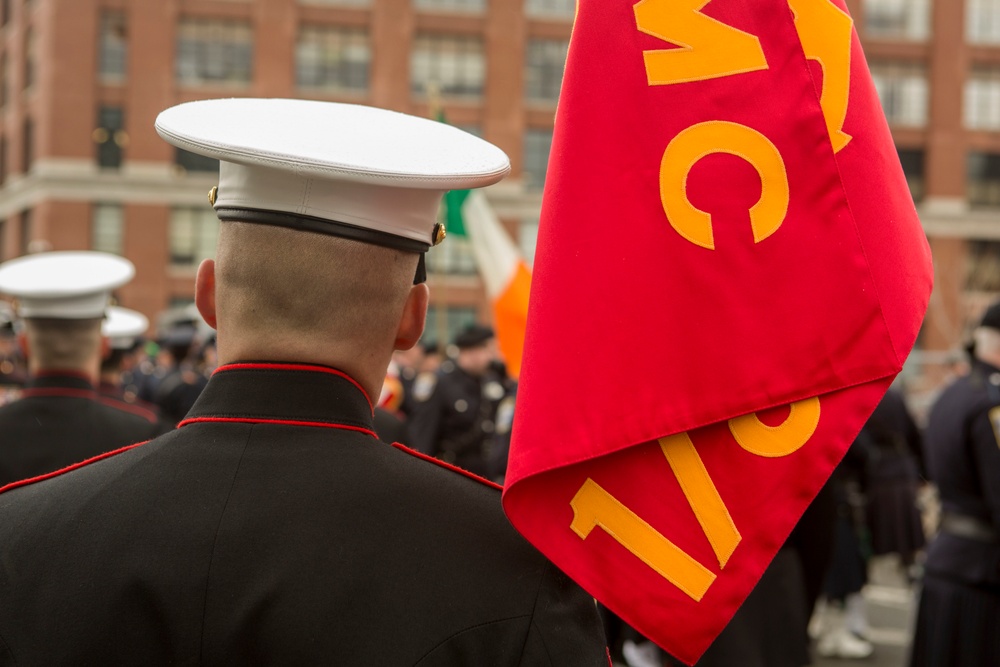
[
  {"x": 64, "y": 285},
  {"x": 342, "y": 169},
  {"x": 122, "y": 326}
]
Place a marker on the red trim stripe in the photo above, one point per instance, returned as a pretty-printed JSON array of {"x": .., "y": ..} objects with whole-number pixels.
[
  {"x": 444, "y": 464},
  {"x": 63, "y": 392},
  {"x": 294, "y": 367},
  {"x": 117, "y": 404},
  {"x": 63, "y": 471},
  {"x": 281, "y": 422}
]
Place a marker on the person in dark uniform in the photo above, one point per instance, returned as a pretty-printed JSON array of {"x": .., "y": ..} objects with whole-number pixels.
[
  {"x": 60, "y": 418},
  {"x": 958, "y": 619},
  {"x": 183, "y": 382},
  {"x": 122, "y": 328},
  {"x": 273, "y": 527},
  {"x": 455, "y": 418}
]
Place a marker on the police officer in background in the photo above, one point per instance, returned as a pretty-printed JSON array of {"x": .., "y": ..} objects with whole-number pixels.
[
  {"x": 273, "y": 527},
  {"x": 457, "y": 416},
  {"x": 61, "y": 419},
  {"x": 959, "y": 614}
]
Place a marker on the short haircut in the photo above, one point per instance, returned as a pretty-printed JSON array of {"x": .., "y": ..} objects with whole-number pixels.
[
  {"x": 273, "y": 281},
  {"x": 63, "y": 344}
]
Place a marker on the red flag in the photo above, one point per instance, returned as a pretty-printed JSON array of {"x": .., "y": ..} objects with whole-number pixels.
[{"x": 729, "y": 274}]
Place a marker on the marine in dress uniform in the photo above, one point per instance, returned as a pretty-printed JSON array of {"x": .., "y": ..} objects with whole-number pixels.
[
  {"x": 60, "y": 418},
  {"x": 273, "y": 527},
  {"x": 456, "y": 413},
  {"x": 959, "y": 613}
]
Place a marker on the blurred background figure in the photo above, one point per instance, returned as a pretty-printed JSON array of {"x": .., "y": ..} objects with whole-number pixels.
[
  {"x": 184, "y": 379},
  {"x": 12, "y": 367},
  {"x": 122, "y": 329},
  {"x": 841, "y": 623},
  {"x": 456, "y": 409},
  {"x": 895, "y": 473},
  {"x": 958, "y": 620},
  {"x": 60, "y": 418}
]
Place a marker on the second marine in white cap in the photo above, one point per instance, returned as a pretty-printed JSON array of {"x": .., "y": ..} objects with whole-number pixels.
[{"x": 61, "y": 299}]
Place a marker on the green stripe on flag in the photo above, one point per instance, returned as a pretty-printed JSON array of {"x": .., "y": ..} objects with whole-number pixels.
[{"x": 453, "y": 221}]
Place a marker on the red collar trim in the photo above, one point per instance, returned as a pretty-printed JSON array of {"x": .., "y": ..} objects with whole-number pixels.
[
  {"x": 59, "y": 391},
  {"x": 282, "y": 422},
  {"x": 63, "y": 471},
  {"x": 461, "y": 471},
  {"x": 245, "y": 366}
]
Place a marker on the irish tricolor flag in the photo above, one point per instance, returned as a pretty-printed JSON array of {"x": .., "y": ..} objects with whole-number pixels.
[{"x": 504, "y": 272}]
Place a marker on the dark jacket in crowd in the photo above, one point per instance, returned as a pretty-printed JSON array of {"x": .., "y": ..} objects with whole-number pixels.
[
  {"x": 960, "y": 602},
  {"x": 61, "y": 420}
]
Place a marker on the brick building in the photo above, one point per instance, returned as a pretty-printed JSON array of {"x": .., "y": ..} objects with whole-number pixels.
[{"x": 81, "y": 82}]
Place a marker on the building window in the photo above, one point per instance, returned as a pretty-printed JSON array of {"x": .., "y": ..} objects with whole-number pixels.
[
  {"x": 107, "y": 228},
  {"x": 4, "y": 79},
  {"x": 546, "y": 59},
  {"x": 25, "y": 231},
  {"x": 982, "y": 99},
  {"x": 454, "y": 64},
  {"x": 563, "y": 9},
  {"x": 214, "y": 51},
  {"x": 902, "y": 89},
  {"x": 193, "y": 233},
  {"x": 443, "y": 324},
  {"x": 27, "y": 149},
  {"x": 29, "y": 58},
  {"x": 982, "y": 21},
  {"x": 537, "y": 144},
  {"x": 112, "y": 47},
  {"x": 983, "y": 267},
  {"x": 474, "y": 6},
  {"x": 110, "y": 137},
  {"x": 912, "y": 162},
  {"x": 983, "y": 178},
  {"x": 333, "y": 58},
  {"x": 898, "y": 19},
  {"x": 188, "y": 161},
  {"x": 527, "y": 239},
  {"x": 453, "y": 256}
]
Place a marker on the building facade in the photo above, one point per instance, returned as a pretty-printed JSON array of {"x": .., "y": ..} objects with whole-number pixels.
[{"x": 81, "y": 82}]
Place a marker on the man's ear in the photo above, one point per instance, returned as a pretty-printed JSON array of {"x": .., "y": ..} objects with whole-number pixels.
[
  {"x": 411, "y": 325},
  {"x": 204, "y": 291},
  {"x": 105, "y": 347},
  {"x": 22, "y": 341}
]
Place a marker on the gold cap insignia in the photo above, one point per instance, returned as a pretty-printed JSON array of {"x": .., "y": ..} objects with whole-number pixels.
[
  {"x": 212, "y": 194},
  {"x": 439, "y": 233}
]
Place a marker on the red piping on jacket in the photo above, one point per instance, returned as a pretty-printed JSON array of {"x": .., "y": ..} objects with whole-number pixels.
[
  {"x": 281, "y": 422},
  {"x": 295, "y": 367},
  {"x": 63, "y": 471},
  {"x": 444, "y": 464}
]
